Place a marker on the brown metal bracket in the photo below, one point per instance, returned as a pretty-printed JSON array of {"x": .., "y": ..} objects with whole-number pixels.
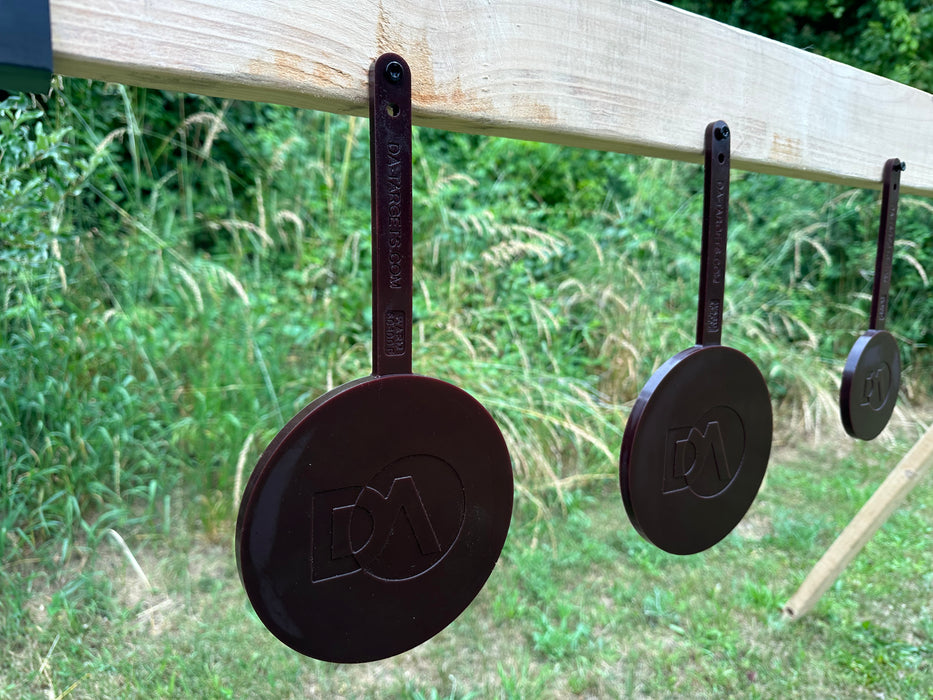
[
  {"x": 390, "y": 169},
  {"x": 884, "y": 257},
  {"x": 715, "y": 234}
]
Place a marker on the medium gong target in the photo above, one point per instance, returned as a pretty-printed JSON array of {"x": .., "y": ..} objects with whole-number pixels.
[
  {"x": 697, "y": 442},
  {"x": 695, "y": 448}
]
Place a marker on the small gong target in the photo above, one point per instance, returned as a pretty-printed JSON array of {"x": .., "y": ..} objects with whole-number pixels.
[
  {"x": 870, "y": 383},
  {"x": 872, "y": 374}
]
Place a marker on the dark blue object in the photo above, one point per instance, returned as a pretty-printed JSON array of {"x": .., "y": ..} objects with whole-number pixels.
[{"x": 25, "y": 46}]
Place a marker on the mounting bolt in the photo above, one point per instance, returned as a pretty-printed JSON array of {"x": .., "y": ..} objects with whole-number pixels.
[
  {"x": 721, "y": 132},
  {"x": 394, "y": 72},
  {"x": 902, "y": 167}
]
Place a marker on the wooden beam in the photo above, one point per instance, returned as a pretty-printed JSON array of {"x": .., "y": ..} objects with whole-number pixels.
[
  {"x": 877, "y": 509},
  {"x": 626, "y": 75}
]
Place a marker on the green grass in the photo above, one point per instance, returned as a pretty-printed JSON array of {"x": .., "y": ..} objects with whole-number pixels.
[{"x": 580, "y": 606}]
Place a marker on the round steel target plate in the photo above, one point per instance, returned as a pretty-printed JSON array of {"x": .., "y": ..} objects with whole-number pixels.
[
  {"x": 375, "y": 517},
  {"x": 696, "y": 448},
  {"x": 870, "y": 383}
]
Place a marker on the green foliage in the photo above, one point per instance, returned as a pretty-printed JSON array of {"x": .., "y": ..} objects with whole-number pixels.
[
  {"x": 893, "y": 38},
  {"x": 36, "y": 175}
]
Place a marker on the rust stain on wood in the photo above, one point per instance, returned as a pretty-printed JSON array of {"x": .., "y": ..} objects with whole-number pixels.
[
  {"x": 291, "y": 68},
  {"x": 785, "y": 149},
  {"x": 284, "y": 66}
]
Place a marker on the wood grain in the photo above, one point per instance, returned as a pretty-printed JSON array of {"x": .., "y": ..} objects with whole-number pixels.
[{"x": 623, "y": 75}]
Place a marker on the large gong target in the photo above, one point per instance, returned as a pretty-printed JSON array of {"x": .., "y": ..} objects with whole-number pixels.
[{"x": 376, "y": 515}]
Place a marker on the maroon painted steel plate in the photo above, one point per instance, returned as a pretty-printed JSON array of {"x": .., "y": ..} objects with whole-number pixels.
[
  {"x": 696, "y": 448},
  {"x": 870, "y": 383},
  {"x": 375, "y": 517}
]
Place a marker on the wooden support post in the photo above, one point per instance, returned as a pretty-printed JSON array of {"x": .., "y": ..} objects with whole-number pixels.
[{"x": 872, "y": 516}]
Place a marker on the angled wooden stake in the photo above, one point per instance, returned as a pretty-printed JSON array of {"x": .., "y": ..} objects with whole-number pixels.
[{"x": 864, "y": 525}]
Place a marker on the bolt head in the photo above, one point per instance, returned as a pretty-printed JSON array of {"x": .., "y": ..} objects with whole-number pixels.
[
  {"x": 721, "y": 132},
  {"x": 394, "y": 72}
]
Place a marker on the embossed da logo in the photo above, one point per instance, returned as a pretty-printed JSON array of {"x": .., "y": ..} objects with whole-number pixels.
[
  {"x": 396, "y": 527},
  {"x": 877, "y": 387},
  {"x": 706, "y": 457}
]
